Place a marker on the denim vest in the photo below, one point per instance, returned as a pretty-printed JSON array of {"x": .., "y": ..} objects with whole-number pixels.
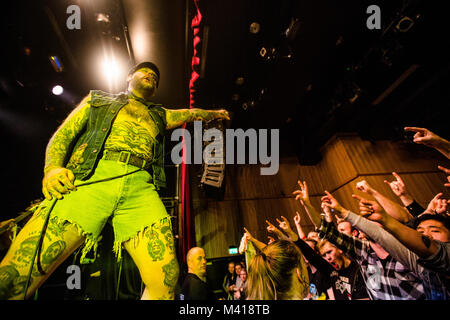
[{"x": 88, "y": 146}]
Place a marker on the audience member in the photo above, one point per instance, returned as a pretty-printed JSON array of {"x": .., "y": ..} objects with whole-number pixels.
[
  {"x": 346, "y": 280},
  {"x": 194, "y": 286},
  {"x": 229, "y": 280},
  {"x": 239, "y": 291},
  {"x": 278, "y": 272},
  {"x": 319, "y": 270}
]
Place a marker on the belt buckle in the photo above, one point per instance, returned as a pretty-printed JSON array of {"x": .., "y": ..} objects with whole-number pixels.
[{"x": 128, "y": 156}]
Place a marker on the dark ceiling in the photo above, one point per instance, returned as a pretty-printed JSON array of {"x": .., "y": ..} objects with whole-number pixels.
[{"x": 312, "y": 70}]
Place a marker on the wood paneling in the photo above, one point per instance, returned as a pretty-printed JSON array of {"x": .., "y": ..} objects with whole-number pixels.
[{"x": 251, "y": 198}]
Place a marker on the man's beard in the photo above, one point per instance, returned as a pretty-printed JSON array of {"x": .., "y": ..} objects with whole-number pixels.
[{"x": 146, "y": 90}]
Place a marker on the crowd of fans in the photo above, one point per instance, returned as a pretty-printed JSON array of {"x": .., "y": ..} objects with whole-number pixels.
[{"x": 386, "y": 251}]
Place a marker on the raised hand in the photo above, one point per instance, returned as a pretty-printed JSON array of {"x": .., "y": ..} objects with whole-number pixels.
[
  {"x": 302, "y": 194},
  {"x": 272, "y": 229},
  {"x": 248, "y": 235},
  {"x": 331, "y": 202},
  {"x": 437, "y": 205},
  {"x": 425, "y": 136},
  {"x": 447, "y": 172},
  {"x": 364, "y": 186},
  {"x": 297, "y": 218},
  {"x": 57, "y": 182},
  {"x": 327, "y": 210},
  {"x": 286, "y": 227},
  {"x": 367, "y": 207},
  {"x": 284, "y": 224},
  {"x": 397, "y": 186}
]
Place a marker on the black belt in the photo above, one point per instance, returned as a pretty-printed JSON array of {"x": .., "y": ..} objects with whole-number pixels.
[{"x": 127, "y": 158}]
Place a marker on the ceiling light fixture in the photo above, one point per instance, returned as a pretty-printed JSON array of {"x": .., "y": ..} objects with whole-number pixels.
[{"x": 57, "y": 90}]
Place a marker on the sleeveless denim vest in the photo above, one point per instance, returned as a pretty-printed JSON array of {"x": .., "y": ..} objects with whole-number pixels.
[{"x": 89, "y": 145}]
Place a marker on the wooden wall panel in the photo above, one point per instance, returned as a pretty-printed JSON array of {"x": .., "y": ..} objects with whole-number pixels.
[
  {"x": 217, "y": 225},
  {"x": 334, "y": 170},
  {"x": 386, "y": 156},
  {"x": 246, "y": 181}
]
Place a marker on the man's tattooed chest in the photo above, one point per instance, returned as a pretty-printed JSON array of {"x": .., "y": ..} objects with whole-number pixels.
[{"x": 133, "y": 130}]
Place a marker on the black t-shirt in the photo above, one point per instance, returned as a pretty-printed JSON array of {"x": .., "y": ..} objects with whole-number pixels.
[
  {"x": 319, "y": 281},
  {"x": 195, "y": 289},
  {"x": 348, "y": 283}
]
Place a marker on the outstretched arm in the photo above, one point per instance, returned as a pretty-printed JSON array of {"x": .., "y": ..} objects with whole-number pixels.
[
  {"x": 297, "y": 221},
  {"x": 258, "y": 244},
  {"x": 303, "y": 195},
  {"x": 395, "y": 210},
  {"x": 430, "y": 139},
  {"x": 418, "y": 243},
  {"x": 178, "y": 117},
  {"x": 447, "y": 172},
  {"x": 57, "y": 179},
  {"x": 398, "y": 187}
]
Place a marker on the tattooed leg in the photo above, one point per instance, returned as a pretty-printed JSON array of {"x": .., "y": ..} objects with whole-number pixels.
[
  {"x": 155, "y": 257},
  {"x": 59, "y": 242}
]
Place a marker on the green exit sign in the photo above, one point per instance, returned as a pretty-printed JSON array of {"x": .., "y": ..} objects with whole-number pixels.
[{"x": 232, "y": 250}]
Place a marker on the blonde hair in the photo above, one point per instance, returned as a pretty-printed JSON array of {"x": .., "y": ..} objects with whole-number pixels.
[{"x": 270, "y": 273}]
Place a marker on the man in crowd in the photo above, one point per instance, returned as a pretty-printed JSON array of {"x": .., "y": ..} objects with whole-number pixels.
[{"x": 194, "y": 286}]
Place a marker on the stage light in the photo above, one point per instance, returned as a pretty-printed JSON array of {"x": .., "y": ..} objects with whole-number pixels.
[
  {"x": 102, "y": 17},
  {"x": 255, "y": 27},
  {"x": 57, "y": 90},
  {"x": 112, "y": 71}
]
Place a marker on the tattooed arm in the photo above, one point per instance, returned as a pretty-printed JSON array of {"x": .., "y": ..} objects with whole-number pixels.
[
  {"x": 176, "y": 118},
  {"x": 57, "y": 179}
]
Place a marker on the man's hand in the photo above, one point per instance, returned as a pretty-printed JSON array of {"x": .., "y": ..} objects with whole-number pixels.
[
  {"x": 222, "y": 114},
  {"x": 209, "y": 115},
  {"x": 302, "y": 194},
  {"x": 367, "y": 207},
  {"x": 332, "y": 203},
  {"x": 397, "y": 186},
  {"x": 447, "y": 172},
  {"x": 286, "y": 228},
  {"x": 56, "y": 182},
  {"x": 297, "y": 218},
  {"x": 248, "y": 235},
  {"x": 364, "y": 186},
  {"x": 272, "y": 229},
  {"x": 425, "y": 136},
  {"x": 328, "y": 215},
  {"x": 437, "y": 205}
]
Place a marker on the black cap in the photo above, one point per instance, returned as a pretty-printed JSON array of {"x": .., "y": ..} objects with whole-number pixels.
[
  {"x": 438, "y": 217},
  {"x": 146, "y": 64}
]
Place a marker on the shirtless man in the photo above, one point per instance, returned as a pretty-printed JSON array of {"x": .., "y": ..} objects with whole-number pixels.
[{"x": 104, "y": 165}]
